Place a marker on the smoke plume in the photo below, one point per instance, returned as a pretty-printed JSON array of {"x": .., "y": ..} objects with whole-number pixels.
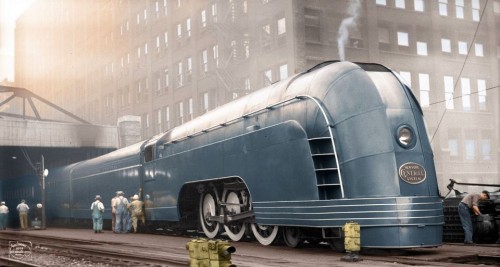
[{"x": 353, "y": 11}]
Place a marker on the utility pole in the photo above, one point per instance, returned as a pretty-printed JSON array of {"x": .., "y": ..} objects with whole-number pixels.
[{"x": 43, "y": 173}]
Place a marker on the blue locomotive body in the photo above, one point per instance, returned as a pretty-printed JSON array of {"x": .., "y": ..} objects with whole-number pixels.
[{"x": 341, "y": 142}]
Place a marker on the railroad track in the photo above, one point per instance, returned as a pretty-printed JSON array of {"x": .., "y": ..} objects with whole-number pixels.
[{"x": 105, "y": 253}]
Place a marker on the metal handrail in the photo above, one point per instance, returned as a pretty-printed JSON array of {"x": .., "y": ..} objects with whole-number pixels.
[
  {"x": 330, "y": 126},
  {"x": 270, "y": 107}
]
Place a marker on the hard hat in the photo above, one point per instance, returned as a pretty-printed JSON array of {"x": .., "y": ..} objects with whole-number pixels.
[
  {"x": 97, "y": 197},
  {"x": 136, "y": 197},
  {"x": 2, "y": 203},
  {"x": 39, "y": 205}
]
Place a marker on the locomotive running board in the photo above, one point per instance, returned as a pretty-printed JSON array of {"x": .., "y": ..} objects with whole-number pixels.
[{"x": 231, "y": 218}]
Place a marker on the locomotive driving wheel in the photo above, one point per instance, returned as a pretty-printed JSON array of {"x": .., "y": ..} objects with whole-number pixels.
[
  {"x": 265, "y": 234},
  {"x": 234, "y": 205},
  {"x": 208, "y": 207},
  {"x": 292, "y": 236}
]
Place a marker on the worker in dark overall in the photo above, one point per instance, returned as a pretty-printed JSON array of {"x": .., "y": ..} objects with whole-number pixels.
[
  {"x": 470, "y": 204},
  {"x": 121, "y": 213},
  {"x": 97, "y": 210}
]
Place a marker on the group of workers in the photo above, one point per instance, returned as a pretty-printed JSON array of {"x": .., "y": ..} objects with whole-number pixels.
[
  {"x": 22, "y": 209},
  {"x": 125, "y": 213}
]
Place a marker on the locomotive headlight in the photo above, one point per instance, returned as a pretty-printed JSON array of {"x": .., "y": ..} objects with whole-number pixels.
[{"x": 405, "y": 136}]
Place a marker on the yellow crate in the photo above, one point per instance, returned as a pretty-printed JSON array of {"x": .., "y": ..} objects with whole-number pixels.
[{"x": 198, "y": 249}]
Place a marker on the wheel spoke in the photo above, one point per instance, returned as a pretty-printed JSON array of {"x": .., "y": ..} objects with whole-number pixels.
[
  {"x": 235, "y": 231},
  {"x": 208, "y": 207}
]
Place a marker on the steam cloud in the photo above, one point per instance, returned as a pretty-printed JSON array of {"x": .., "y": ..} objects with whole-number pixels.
[{"x": 349, "y": 22}]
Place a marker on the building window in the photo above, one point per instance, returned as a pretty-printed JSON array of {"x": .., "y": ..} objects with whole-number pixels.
[
  {"x": 421, "y": 48},
  {"x": 403, "y": 39},
  {"x": 189, "y": 68},
  {"x": 203, "y": 18},
  {"x": 486, "y": 149},
  {"x": 462, "y": 48},
  {"x": 423, "y": 80},
  {"x": 157, "y": 43},
  {"x": 179, "y": 31},
  {"x": 281, "y": 26},
  {"x": 496, "y": 7},
  {"x": 205, "y": 102},
  {"x": 443, "y": 7},
  {"x": 246, "y": 45},
  {"x": 283, "y": 72},
  {"x": 381, "y": 2},
  {"x": 215, "y": 50},
  {"x": 448, "y": 92},
  {"x": 266, "y": 36},
  {"x": 469, "y": 150},
  {"x": 180, "y": 75},
  {"x": 214, "y": 13},
  {"x": 190, "y": 108},
  {"x": 312, "y": 25},
  {"x": 453, "y": 147},
  {"x": 180, "y": 112},
  {"x": 481, "y": 94},
  {"x": 406, "y": 77},
  {"x": 204, "y": 60},
  {"x": 383, "y": 38},
  {"x": 419, "y": 5},
  {"x": 268, "y": 77},
  {"x": 234, "y": 51},
  {"x": 167, "y": 80},
  {"x": 157, "y": 8},
  {"x": 167, "y": 118},
  {"x": 400, "y": 4},
  {"x": 158, "y": 120},
  {"x": 475, "y": 10},
  {"x": 247, "y": 84},
  {"x": 446, "y": 45},
  {"x": 466, "y": 105},
  {"x": 188, "y": 27},
  {"x": 459, "y": 9},
  {"x": 479, "y": 50}
]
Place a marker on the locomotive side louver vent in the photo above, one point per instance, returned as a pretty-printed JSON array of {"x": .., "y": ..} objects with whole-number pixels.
[{"x": 325, "y": 165}]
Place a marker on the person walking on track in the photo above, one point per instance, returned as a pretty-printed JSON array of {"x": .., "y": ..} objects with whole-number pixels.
[
  {"x": 4, "y": 212},
  {"x": 121, "y": 212},
  {"x": 136, "y": 209},
  {"x": 97, "y": 210},
  {"x": 23, "y": 209}
]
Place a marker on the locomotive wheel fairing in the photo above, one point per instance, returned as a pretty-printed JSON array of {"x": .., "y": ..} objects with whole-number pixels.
[
  {"x": 235, "y": 231},
  {"x": 208, "y": 207}
]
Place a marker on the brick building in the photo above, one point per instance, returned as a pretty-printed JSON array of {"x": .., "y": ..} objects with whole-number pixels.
[{"x": 171, "y": 60}]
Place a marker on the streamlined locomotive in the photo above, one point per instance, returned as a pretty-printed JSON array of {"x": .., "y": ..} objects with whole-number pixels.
[{"x": 340, "y": 142}]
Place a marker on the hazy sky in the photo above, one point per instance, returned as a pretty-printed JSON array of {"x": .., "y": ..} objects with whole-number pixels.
[{"x": 9, "y": 11}]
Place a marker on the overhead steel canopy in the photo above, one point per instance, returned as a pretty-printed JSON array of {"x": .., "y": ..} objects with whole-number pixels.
[{"x": 18, "y": 102}]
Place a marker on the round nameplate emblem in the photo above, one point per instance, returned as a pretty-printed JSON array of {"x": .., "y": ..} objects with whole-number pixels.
[{"x": 412, "y": 173}]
